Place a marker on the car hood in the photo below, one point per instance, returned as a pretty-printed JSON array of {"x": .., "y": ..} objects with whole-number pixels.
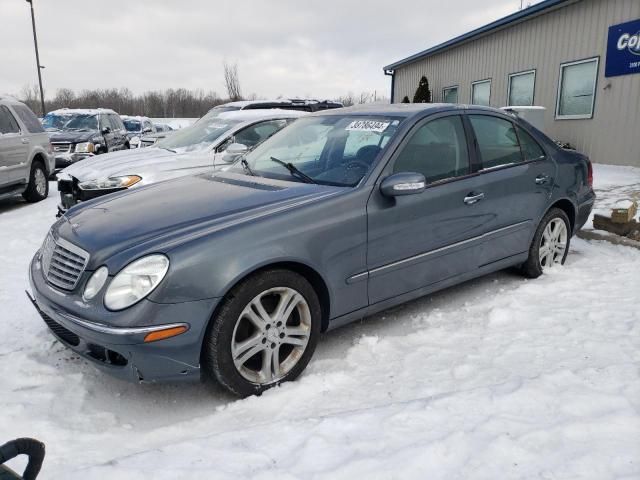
[
  {"x": 163, "y": 215},
  {"x": 152, "y": 164},
  {"x": 72, "y": 137}
]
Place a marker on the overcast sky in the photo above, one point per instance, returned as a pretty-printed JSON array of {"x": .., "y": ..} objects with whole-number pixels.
[{"x": 282, "y": 47}]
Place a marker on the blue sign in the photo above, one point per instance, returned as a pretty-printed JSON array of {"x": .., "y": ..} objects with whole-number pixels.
[{"x": 623, "y": 49}]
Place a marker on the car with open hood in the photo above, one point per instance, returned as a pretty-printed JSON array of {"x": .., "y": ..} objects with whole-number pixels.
[
  {"x": 76, "y": 134},
  {"x": 198, "y": 148},
  {"x": 231, "y": 276}
]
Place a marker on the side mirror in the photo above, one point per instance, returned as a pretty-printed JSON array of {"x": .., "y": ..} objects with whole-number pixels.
[
  {"x": 403, "y": 183},
  {"x": 106, "y": 130},
  {"x": 146, "y": 130},
  {"x": 233, "y": 151}
]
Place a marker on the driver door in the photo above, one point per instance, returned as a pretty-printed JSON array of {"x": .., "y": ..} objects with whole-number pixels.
[{"x": 418, "y": 240}]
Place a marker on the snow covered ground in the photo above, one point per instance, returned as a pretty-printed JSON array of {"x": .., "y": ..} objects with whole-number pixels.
[{"x": 498, "y": 378}]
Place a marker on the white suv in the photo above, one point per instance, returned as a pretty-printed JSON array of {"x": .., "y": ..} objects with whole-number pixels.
[{"x": 26, "y": 159}]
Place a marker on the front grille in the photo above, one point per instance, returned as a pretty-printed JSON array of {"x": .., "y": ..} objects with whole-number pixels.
[
  {"x": 63, "y": 262},
  {"x": 62, "y": 147},
  {"x": 146, "y": 143}
]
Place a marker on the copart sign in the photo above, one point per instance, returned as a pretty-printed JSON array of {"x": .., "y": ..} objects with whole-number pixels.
[{"x": 623, "y": 49}]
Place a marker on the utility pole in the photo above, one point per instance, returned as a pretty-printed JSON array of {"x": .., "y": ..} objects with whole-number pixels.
[{"x": 39, "y": 67}]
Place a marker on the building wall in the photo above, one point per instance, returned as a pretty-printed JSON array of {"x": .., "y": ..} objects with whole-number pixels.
[{"x": 569, "y": 33}]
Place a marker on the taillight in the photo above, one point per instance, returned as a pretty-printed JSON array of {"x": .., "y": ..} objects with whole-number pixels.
[{"x": 589, "y": 173}]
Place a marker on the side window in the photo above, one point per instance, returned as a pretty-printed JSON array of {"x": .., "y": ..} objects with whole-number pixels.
[
  {"x": 104, "y": 122},
  {"x": 437, "y": 149},
  {"x": 147, "y": 126},
  {"x": 531, "y": 150},
  {"x": 497, "y": 141},
  {"x": 29, "y": 119},
  {"x": 116, "y": 123},
  {"x": 258, "y": 133},
  {"x": 8, "y": 123}
]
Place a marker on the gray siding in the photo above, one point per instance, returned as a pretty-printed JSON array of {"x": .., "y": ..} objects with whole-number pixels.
[{"x": 569, "y": 33}]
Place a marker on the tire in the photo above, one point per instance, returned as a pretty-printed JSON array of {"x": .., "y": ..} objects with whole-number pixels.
[
  {"x": 38, "y": 186},
  {"x": 538, "y": 260},
  {"x": 238, "y": 352}
]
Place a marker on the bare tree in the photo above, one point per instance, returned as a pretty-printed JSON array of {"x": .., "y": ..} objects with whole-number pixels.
[{"x": 232, "y": 81}]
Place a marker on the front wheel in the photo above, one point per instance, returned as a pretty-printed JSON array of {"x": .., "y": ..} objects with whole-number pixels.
[
  {"x": 264, "y": 333},
  {"x": 38, "y": 186},
  {"x": 550, "y": 243}
]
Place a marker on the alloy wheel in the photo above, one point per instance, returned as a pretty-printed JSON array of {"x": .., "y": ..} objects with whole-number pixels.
[
  {"x": 40, "y": 181},
  {"x": 271, "y": 335},
  {"x": 553, "y": 243}
]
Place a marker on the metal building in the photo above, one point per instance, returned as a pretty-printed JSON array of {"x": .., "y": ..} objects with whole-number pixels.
[{"x": 580, "y": 59}]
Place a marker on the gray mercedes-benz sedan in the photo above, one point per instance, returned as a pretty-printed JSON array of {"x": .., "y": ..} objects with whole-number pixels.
[{"x": 231, "y": 276}]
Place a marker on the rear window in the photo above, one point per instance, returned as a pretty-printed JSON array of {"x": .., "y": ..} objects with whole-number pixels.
[{"x": 29, "y": 119}]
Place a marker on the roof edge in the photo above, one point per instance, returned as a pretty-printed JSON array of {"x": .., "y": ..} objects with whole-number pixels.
[{"x": 501, "y": 22}]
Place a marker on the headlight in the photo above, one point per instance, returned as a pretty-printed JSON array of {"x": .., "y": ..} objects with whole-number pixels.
[
  {"x": 110, "y": 183},
  {"x": 95, "y": 283},
  {"x": 86, "y": 147},
  {"x": 134, "y": 142},
  {"x": 136, "y": 281}
]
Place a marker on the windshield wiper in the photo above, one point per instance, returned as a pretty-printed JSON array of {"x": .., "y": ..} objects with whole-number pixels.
[
  {"x": 245, "y": 165},
  {"x": 293, "y": 170}
]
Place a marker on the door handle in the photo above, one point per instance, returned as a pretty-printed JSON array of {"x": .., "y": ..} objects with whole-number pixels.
[
  {"x": 473, "y": 197},
  {"x": 542, "y": 179},
  {"x": 24, "y": 140}
]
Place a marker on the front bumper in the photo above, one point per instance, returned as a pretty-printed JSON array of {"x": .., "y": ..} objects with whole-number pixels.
[{"x": 120, "y": 350}]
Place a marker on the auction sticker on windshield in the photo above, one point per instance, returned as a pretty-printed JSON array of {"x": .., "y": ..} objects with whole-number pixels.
[{"x": 368, "y": 125}]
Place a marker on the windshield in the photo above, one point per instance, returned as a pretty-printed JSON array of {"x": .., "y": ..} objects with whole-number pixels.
[
  {"x": 198, "y": 136},
  {"x": 82, "y": 122},
  {"x": 330, "y": 150},
  {"x": 53, "y": 121},
  {"x": 132, "y": 125}
]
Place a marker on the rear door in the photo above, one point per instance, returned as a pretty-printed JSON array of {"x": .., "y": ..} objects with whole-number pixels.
[
  {"x": 517, "y": 180},
  {"x": 419, "y": 240},
  {"x": 14, "y": 148}
]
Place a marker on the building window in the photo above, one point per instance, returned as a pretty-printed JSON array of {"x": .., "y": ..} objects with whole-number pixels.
[
  {"x": 521, "y": 88},
  {"x": 481, "y": 92},
  {"x": 577, "y": 89},
  {"x": 450, "y": 95}
]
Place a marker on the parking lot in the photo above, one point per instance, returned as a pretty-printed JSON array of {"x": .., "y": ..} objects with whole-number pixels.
[{"x": 500, "y": 377}]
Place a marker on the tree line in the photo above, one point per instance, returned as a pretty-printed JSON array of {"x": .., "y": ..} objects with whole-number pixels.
[{"x": 168, "y": 103}]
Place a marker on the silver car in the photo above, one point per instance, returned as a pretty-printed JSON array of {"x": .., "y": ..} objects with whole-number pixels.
[
  {"x": 26, "y": 160},
  {"x": 200, "y": 147}
]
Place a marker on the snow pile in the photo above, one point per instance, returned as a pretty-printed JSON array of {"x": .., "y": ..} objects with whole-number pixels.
[{"x": 500, "y": 377}]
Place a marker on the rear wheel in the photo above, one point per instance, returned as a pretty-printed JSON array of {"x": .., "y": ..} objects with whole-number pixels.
[
  {"x": 38, "y": 186},
  {"x": 264, "y": 334},
  {"x": 550, "y": 243}
]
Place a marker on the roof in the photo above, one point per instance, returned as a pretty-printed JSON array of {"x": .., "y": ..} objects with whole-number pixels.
[
  {"x": 81, "y": 111},
  {"x": 390, "y": 109},
  {"x": 503, "y": 22},
  {"x": 134, "y": 117},
  {"x": 248, "y": 115}
]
